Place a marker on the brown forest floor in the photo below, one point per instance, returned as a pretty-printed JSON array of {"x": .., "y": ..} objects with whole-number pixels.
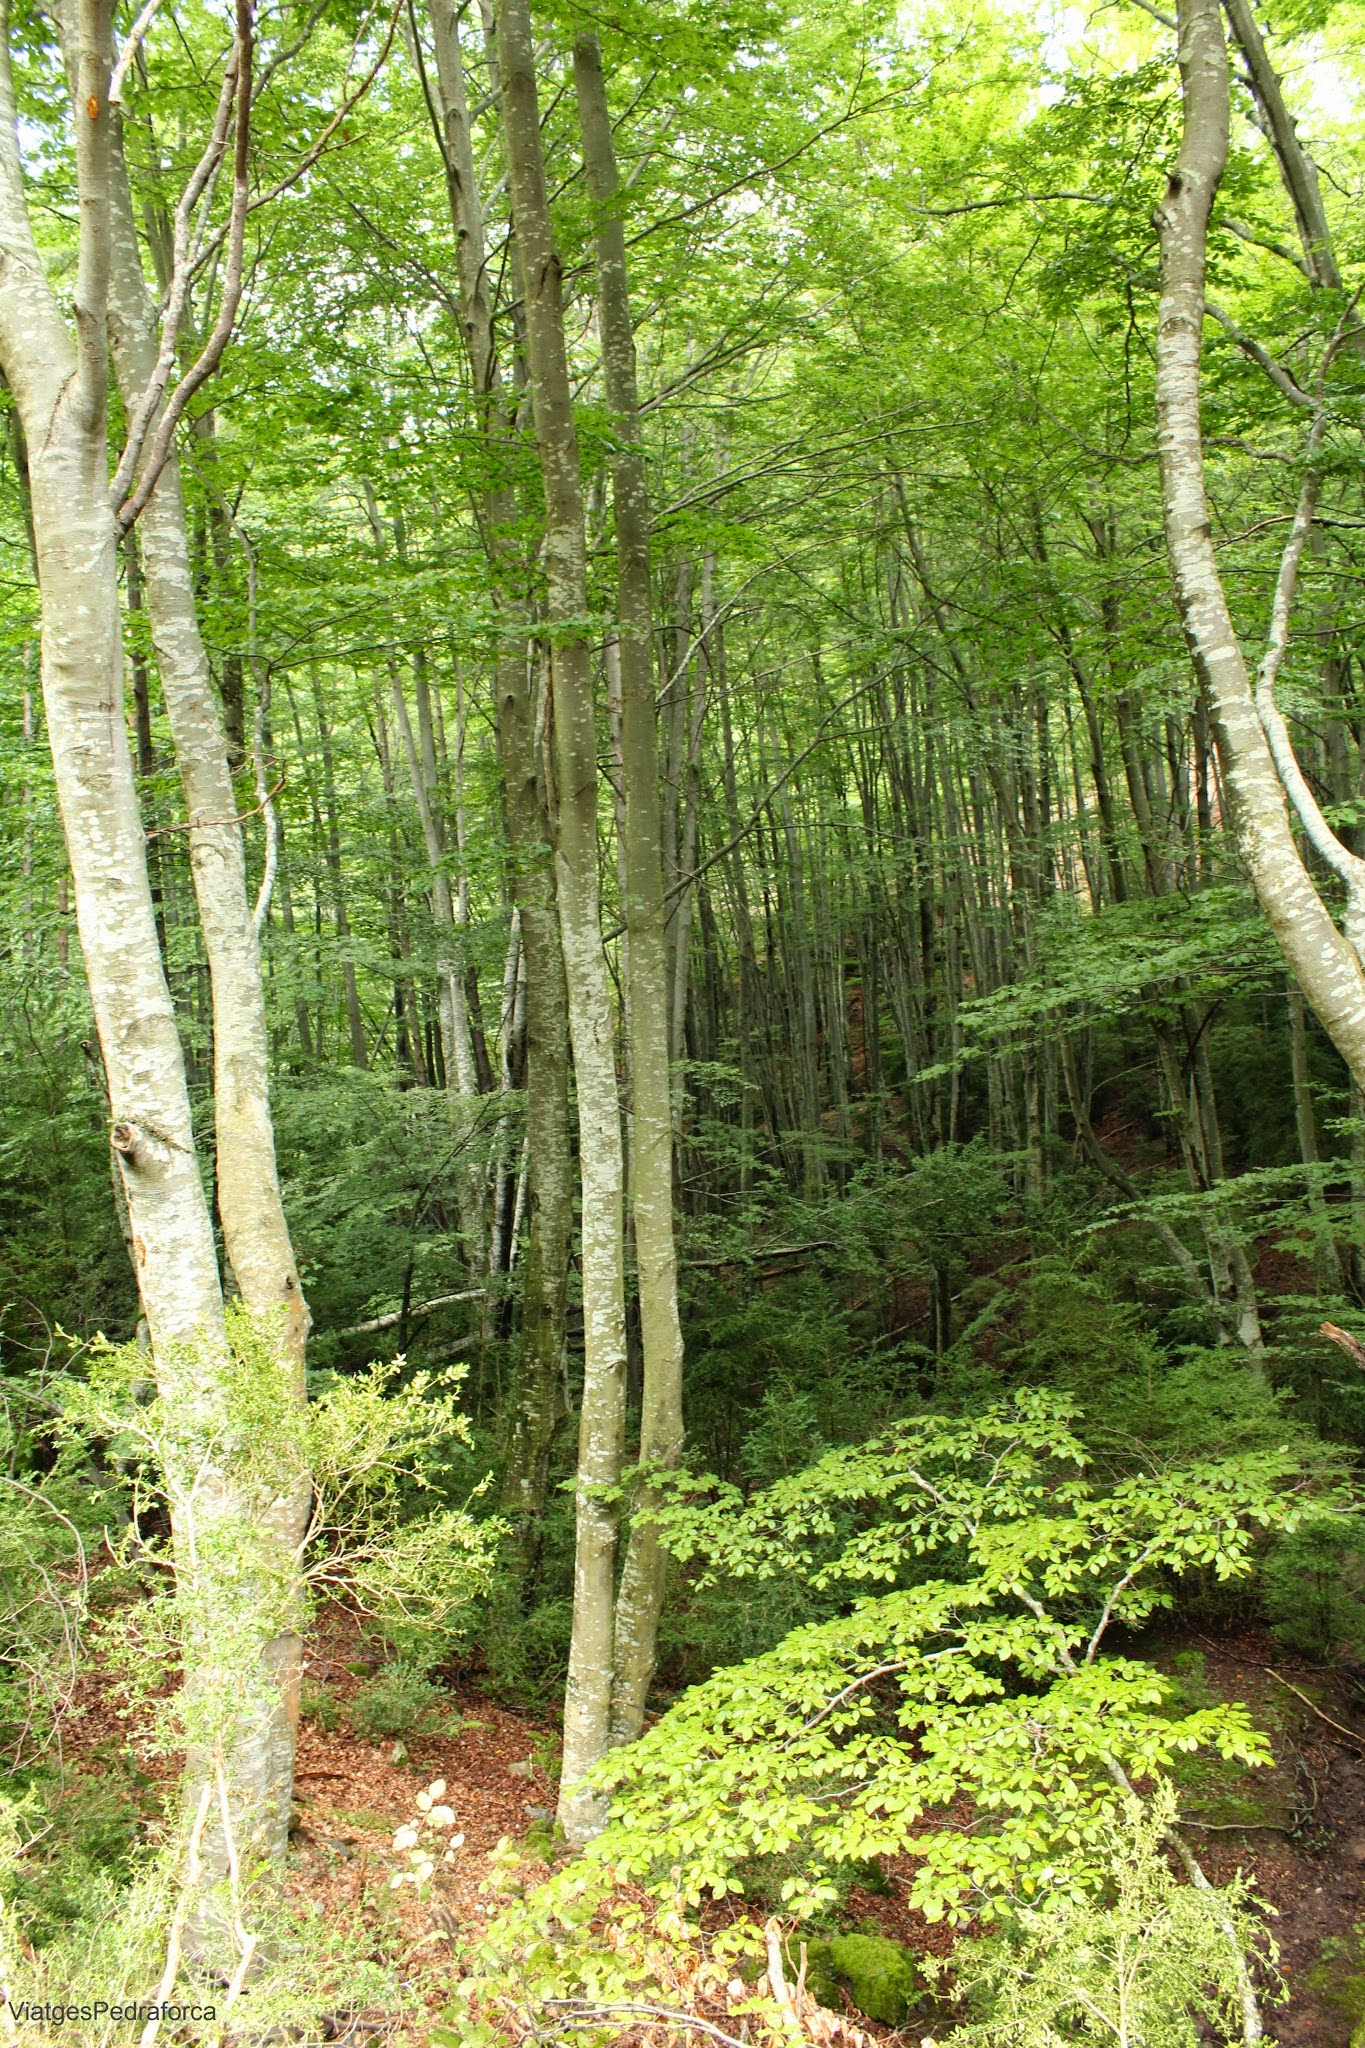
[{"x": 1307, "y": 1861}]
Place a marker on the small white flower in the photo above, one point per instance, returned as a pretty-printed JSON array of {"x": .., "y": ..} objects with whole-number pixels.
[
  {"x": 442, "y": 1817},
  {"x": 457, "y": 1841},
  {"x": 406, "y": 1838}
]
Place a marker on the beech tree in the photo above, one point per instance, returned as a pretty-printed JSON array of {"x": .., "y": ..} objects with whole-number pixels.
[
  {"x": 59, "y": 382},
  {"x": 1260, "y": 766},
  {"x": 650, "y": 828}
]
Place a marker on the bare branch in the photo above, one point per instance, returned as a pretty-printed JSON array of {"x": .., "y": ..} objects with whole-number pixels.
[
  {"x": 179, "y": 286},
  {"x": 130, "y": 50},
  {"x": 211, "y": 355},
  {"x": 1276, "y": 372}
]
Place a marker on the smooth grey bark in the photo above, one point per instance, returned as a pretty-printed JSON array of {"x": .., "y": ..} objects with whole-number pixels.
[
  {"x": 639, "y": 1600},
  {"x": 536, "y": 1405},
  {"x": 587, "y": 1705},
  {"x": 255, "y": 1230},
  {"x": 355, "y": 1020},
  {"x": 1326, "y": 964},
  {"x": 60, "y": 385},
  {"x": 1327, "y": 1257}
]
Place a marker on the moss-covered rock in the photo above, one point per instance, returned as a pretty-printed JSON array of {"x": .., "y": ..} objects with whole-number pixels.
[{"x": 880, "y": 1975}]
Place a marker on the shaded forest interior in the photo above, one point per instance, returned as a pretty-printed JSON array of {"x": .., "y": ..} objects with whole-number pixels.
[{"x": 682, "y": 1020}]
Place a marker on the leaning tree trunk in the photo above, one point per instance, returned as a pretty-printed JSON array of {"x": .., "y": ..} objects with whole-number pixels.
[
  {"x": 1326, "y": 964},
  {"x": 587, "y": 1705},
  {"x": 241, "y": 1729},
  {"x": 640, "y": 1599}
]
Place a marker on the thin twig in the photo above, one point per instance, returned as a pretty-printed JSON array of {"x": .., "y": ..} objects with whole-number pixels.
[
  {"x": 1358, "y": 1740},
  {"x": 199, "y": 824},
  {"x": 591, "y": 2009}
]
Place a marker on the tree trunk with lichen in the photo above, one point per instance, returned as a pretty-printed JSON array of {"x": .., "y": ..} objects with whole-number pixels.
[
  {"x": 639, "y": 1600},
  {"x": 59, "y": 383},
  {"x": 536, "y": 1402},
  {"x": 587, "y": 1705}
]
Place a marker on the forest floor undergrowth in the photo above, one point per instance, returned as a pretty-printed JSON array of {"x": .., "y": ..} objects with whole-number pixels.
[{"x": 1297, "y": 1829}]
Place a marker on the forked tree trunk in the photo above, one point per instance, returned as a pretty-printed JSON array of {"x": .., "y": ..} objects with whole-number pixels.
[
  {"x": 60, "y": 389},
  {"x": 255, "y": 1232},
  {"x": 640, "y": 1598},
  {"x": 587, "y": 1705}
]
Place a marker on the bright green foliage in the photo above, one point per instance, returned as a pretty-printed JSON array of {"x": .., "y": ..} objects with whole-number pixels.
[
  {"x": 579, "y": 1942},
  {"x": 369, "y": 1445},
  {"x": 985, "y": 1683},
  {"x": 1137, "y": 1969},
  {"x": 880, "y": 1975}
]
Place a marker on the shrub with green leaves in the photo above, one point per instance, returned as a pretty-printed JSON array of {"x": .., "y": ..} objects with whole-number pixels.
[
  {"x": 377, "y": 1538},
  {"x": 79, "y": 1838},
  {"x": 986, "y": 1688},
  {"x": 1145, "y": 1964},
  {"x": 401, "y": 1699}
]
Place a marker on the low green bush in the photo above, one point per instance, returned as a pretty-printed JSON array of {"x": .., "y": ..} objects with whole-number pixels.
[
  {"x": 317, "y": 1704},
  {"x": 81, "y": 1838},
  {"x": 401, "y": 1699}
]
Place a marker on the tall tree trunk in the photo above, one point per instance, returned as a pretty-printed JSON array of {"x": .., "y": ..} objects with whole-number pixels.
[
  {"x": 640, "y": 1599},
  {"x": 587, "y": 1706},
  {"x": 1327, "y": 1258},
  {"x": 255, "y": 1232},
  {"x": 1326, "y": 965},
  {"x": 237, "y": 1688},
  {"x": 1297, "y": 169},
  {"x": 549, "y": 1169},
  {"x": 355, "y": 1021}
]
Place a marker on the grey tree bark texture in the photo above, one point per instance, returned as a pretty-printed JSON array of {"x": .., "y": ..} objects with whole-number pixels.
[
  {"x": 256, "y": 1236},
  {"x": 587, "y": 1704},
  {"x": 536, "y": 1405},
  {"x": 639, "y": 1600},
  {"x": 1326, "y": 964},
  {"x": 60, "y": 389}
]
